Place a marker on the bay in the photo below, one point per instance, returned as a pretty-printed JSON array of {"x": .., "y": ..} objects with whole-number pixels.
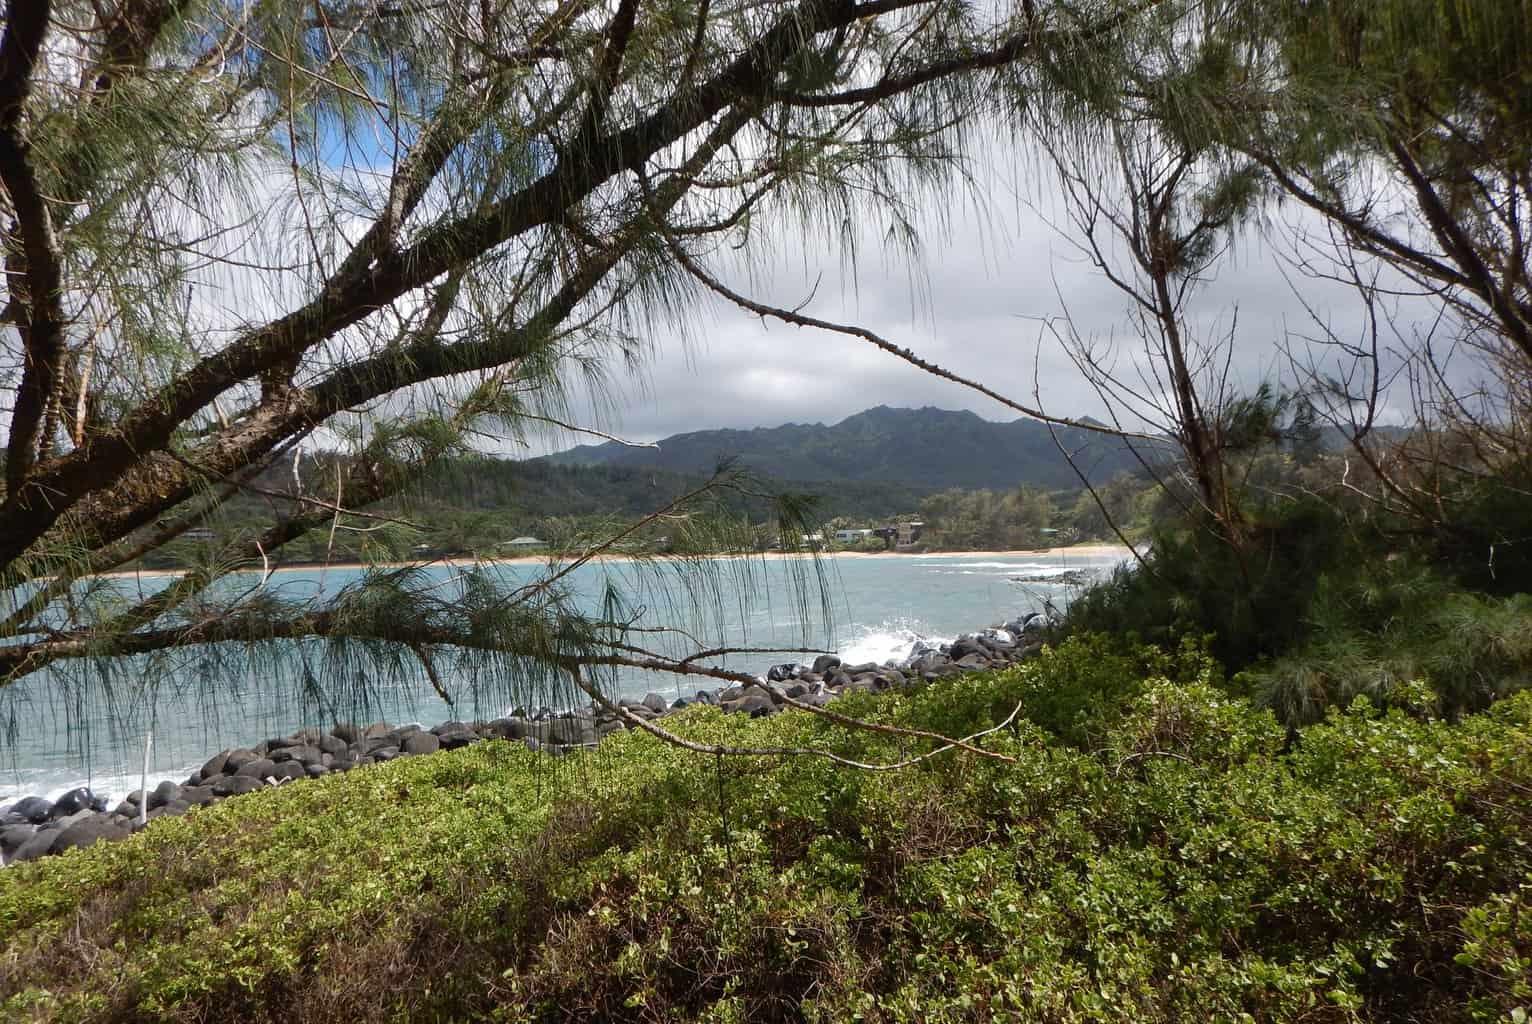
[{"x": 866, "y": 608}]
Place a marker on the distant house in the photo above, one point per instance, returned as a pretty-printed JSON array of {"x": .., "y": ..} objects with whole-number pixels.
[
  {"x": 525, "y": 543},
  {"x": 852, "y": 536}
]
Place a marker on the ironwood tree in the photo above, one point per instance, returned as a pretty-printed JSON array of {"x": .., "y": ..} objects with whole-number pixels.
[{"x": 236, "y": 232}]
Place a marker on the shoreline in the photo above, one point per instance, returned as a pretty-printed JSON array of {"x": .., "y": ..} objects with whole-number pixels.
[{"x": 1092, "y": 550}]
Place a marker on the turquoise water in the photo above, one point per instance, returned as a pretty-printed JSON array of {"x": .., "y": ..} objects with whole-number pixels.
[{"x": 873, "y": 610}]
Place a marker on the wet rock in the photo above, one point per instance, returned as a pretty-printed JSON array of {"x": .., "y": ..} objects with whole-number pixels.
[
  {"x": 332, "y": 745},
  {"x": 74, "y": 801},
  {"x": 315, "y": 771},
  {"x": 453, "y": 726},
  {"x": 163, "y": 794},
  {"x": 303, "y": 754},
  {"x": 654, "y": 702},
  {"x": 782, "y": 673},
  {"x": 825, "y": 662},
  {"x": 32, "y": 808}
]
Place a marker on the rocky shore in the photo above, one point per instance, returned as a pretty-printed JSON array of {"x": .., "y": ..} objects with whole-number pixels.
[{"x": 35, "y": 827}]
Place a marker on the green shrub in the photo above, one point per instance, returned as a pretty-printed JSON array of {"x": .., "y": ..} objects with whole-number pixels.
[{"x": 1154, "y": 857}]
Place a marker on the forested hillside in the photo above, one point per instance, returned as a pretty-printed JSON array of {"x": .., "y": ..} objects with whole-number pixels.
[{"x": 924, "y": 449}]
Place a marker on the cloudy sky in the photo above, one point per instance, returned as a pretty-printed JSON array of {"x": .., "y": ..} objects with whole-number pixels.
[{"x": 973, "y": 301}]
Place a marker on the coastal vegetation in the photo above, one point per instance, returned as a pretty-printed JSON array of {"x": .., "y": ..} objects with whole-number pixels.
[
  {"x": 1148, "y": 849},
  {"x": 296, "y": 258}
]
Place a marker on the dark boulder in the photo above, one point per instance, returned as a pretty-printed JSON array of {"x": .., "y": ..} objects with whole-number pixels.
[
  {"x": 573, "y": 731},
  {"x": 332, "y": 745},
  {"x": 825, "y": 662},
  {"x": 453, "y": 726},
  {"x": 459, "y": 738},
  {"x": 753, "y": 704},
  {"x": 236, "y": 785},
  {"x": 303, "y": 754},
  {"x": 512, "y": 727},
  {"x": 288, "y": 771},
  {"x": 281, "y": 743},
  {"x": 238, "y": 758},
  {"x": 972, "y": 662},
  {"x": 173, "y": 809},
  {"x": 33, "y": 808},
  {"x": 213, "y": 765},
  {"x": 707, "y": 697},
  {"x": 40, "y": 845},
  {"x": 383, "y": 754},
  {"x": 196, "y": 796},
  {"x": 782, "y": 673},
  {"x": 260, "y": 768},
  {"x": 342, "y": 764},
  {"x": 347, "y": 732},
  {"x": 92, "y": 830},
  {"x": 421, "y": 743},
  {"x": 12, "y": 837},
  {"x": 163, "y": 794},
  {"x": 376, "y": 730},
  {"x": 315, "y": 771},
  {"x": 654, "y": 702},
  {"x": 81, "y": 799}
]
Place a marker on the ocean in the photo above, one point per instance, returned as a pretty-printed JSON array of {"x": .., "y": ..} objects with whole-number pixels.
[{"x": 866, "y": 609}]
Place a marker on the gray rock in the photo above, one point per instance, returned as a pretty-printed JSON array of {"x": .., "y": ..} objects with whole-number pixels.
[
  {"x": 399, "y": 735},
  {"x": 74, "y": 819},
  {"x": 260, "y": 768},
  {"x": 347, "y": 732},
  {"x": 825, "y": 662},
  {"x": 680, "y": 704},
  {"x": 288, "y": 771},
  {"x": 572, "y": 731},
  {"x": 303, "y": 754},
  {"x": 282, "y": 743},
  {"x": 173, "y": 809},
  {"x": 311, "y": 736},
  {"x": 452, "y": 727},
  {"x": 383, "y": 754},
  {"x": 606, "y": 729},
  {"x": 314, "y": 771},
  {"x": 421, "y": 743},
  {"x": 196, "y": 796},
  {"x": 460, "y": 738},
  {"x": 163, "y": 794},
  {"x": 41, "y": 844},
  {"x": 782, "y": 673},
  {"x": 512, "y": 727},
  {"x": 754, "y": 705},
  {"x": 866, "y": 668},
  {"x": 654, "y": 702},
  {"x": 332, "y": 745},
  {"x": 236, "y": 785},
  {"x": 93, "y": 830},
  {"x": 342, "y": 764},
  {"x": 972, "y": 662},
  {"x": 376, "y": 730},
  {"x": 238, "y": 758},
  {"x": 707, "y": 697},
  {"x": 12, "y": 837}
]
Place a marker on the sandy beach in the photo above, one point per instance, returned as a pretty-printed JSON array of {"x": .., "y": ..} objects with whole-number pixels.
[{"x": 1082, "y": 550}]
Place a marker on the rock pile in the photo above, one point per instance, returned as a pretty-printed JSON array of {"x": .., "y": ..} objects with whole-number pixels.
[{"x": 35, "y": 827}]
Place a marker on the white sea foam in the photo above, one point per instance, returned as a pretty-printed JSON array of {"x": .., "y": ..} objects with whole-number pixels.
[
  {"x": 114, "y": 788},
  {"x": 887, "y": 641}
]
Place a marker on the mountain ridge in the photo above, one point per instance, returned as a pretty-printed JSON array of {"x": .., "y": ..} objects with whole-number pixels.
[{"x": 926, "y": 448}]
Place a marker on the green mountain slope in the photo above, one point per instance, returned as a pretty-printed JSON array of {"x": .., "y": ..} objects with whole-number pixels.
[{"x": 925, "y": 449}]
